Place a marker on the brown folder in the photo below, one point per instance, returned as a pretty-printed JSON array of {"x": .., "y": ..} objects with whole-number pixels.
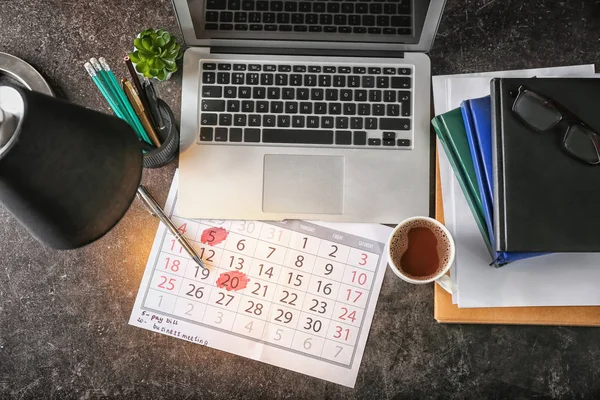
[{"x": 446, "y": 312}]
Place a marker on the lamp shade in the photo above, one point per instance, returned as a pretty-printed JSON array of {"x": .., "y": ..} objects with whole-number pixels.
[{"x": 67, "y": 173}]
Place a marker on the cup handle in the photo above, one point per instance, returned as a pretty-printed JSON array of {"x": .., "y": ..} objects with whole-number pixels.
[{"x": 447, "y": 284}]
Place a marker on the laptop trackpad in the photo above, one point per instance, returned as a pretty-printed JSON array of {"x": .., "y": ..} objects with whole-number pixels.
[{"x": 303, "y": 184}]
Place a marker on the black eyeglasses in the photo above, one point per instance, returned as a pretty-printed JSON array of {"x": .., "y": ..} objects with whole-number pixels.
[{"x": 542, "y": 114}]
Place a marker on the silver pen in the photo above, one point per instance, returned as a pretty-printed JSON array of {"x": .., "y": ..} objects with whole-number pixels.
[{"x": 155, "y": 210}]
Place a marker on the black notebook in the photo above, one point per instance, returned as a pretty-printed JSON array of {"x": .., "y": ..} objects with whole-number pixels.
[{"x": 546, "y": 192}]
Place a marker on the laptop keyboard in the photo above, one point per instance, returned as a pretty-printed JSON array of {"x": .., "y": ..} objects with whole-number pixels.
[
  {"x": 375, "y": 17},
  {"x": 309, "y": 104}
]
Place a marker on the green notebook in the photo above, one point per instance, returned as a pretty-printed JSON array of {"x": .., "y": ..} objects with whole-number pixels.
[{"x": 450, "y": 129}]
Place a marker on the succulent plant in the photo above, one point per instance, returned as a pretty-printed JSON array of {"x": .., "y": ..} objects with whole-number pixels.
[{"x": 156, "y": 54}]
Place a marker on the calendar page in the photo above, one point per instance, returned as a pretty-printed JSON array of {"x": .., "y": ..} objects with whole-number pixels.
[{"x": 296, "y": 294}]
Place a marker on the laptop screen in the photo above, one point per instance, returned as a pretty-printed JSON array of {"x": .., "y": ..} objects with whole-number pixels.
[{"x": 354, "y": 21}]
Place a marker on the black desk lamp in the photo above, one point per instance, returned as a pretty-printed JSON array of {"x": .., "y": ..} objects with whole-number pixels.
[{"x": 67, "y": 173}]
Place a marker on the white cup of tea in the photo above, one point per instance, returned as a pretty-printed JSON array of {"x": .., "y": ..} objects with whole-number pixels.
[{"x": 421, "y": 250}]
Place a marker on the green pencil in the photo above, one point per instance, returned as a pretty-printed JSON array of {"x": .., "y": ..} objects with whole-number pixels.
[
  {"x": 92, "y": 72},
  {"x": 112, "y": 79}
]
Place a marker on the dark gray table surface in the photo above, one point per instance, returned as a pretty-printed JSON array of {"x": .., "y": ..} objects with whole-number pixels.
[{"x": 63, "y": 315}]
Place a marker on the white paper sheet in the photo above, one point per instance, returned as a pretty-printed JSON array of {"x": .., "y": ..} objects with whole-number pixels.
[
  {"x": 557, "y": 279},
  {"x": 308, "y": 304}
]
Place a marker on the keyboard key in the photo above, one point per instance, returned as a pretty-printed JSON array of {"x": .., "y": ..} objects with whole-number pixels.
[
  {"x": 296, "y": 80},
  {"x": 389, "y": 135},
  {"x": 215, "y": 5},
  {"x": 374, "y": 142},
  {"x": 262, "y": 5},
  {"x": 305, "y": 108},
  {"x": 230, "y": 92},
  {"x": 344, "y": 70},
  {"x": 327, "y": 122},
  {"x": 345, "y": 29},
  {"x": 283, "y": 121},
  {"x": 312, "y": 121},
  {"x": 269, "y": 68},
  {"x": 224, "y": 67},
  {"x": 383, "y": 20},
  {"x": 221, "y": 135},
  {"x": 320, "y": 108},
  {"x": 237, "y": 78},
  {"x": 374, "y": 31},
  {"x": 335, "y": 108},
  {"x": 248, "y": 5},
  {"x": 262, "y": 106},
  {"x": 319, "y": 7},
  {"x": 378, "y": 109},
  {"x": 314, "y": 68},
  {"x": 254, "y": 17},
  {"x": 356, "y": 123},
  {"x": 284, "y": 68},
  {"x": 299, "y": 136},
  {"x": 226, "y": 27},
  {"x": 270, "y": 28},
  {"x": 302, "y": 94},
  {"x": 390, "y": 142},
  {"x": 346, "y": 95},
  {"x": 383, "y": 82},
  {"x": 331, "y": 94},
  {"x": 339, "y": 81},
  {"x": 235, "y": 135},
  {"x": 371, "y": 123},
  {"x": 208, "y": 77},
  {"x": 298, "y": 121},
  {"x": 225, "y": 119},
  {"x": 341, "y": 122},
  {"x": 290, "y": 6},
  {"x": 269, "y": 120},
  {"x": 299, "y": 68},
  {"x": 241, "y": 27},
  {"x": 315, "y": 28},
  {"x": 213, "y": 105},
  {"x": 247, "y": 106},
  {"x": 208, "y": 119},
  {"x": 226, "y": 17},
  {"x": 281, "y": 80},
  {"x": 339, "y": 19},
  {"x": 252, "y": 79},
  {"x": 368, "y": 81},
  {"x": 251, "y": 135},
  {"x": 354, "y": 20},
  {"x": 223, "y": 78},
  {"x": 233, "y": 4},
  {"x": 212, "y": 91},
  {"x": 274, "y": 93},
  {"x": 304, "y": 7},
  {"x": 310, "y": 80},
  {"x": 364, "y": 109},
  {"x": 209, "y": 66},
  {"x": 374, "y": 70},
  {"x": 360, "y": 138},
  {"x": 211, "y": 26},
  {"x": 360, "y": 95},
  {"x": 350, "y": 109},
  {"x": 254, "y": 67},
  {"x": 343, "y": 137},
  {"x": 254, "y": 120},
  {"x": 329, "y": 69},
  {"x": 291, "y": 107},
  {"x": 389, "y": 71},
  {"x": 277, "y": 107},
  {"x": 317, "y": 94},
  {"x": 354, "y": 81},
  {"x": 401, "y": 83},
  {"x": 312, "y": 19},
  {"x": 212, "y": 16},
  {"x": 266, "y": 79},
  {"x": 325, "y": 80},
  {"x": 401, "y": 21},
  {"x": 206, "y": 134},
  {"x": 393, "y": 110},
  {"x": 276, "y": 6},
  {"x": 239, "y": 120},
  {"x": 394, "y": 124},
  {"x": 330, "y": 29},
  {"x": 404, "y": 71},
  {"x": 404, "y": 142},
  {"x": 359, "y": 29},
  {"x": 288, "y": 94},
  {"x": 389, "y": 31},
  {"x": 300, "y": 28},
  {"x": 233, "y": 105},
  {"x": 389, "y": 96},
  {"x": 375, "y": 95}
]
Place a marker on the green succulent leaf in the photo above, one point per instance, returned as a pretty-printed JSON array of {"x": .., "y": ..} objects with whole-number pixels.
[
  {"x": 162, "y": 75},
  {"x": 146, "y": 32},
  {"x": 147, "y": 44},
  {"x": 142, "y": 67},
  {"x": 171, "y": 68},
  {"x": 145, "y": 55},
  {"x": 138, "y": 43},
  {"x": 161, "y": 42},
  {"x": 135, "y": 57}
]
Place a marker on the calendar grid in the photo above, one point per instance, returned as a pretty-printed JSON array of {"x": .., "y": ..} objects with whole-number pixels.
[{"x": 310, "y": 275}]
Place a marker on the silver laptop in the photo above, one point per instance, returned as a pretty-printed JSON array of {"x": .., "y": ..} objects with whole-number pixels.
[{"x": 315, "y": 109}]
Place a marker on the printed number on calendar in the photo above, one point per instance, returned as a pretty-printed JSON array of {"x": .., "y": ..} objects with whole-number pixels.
[
  {"x": 167, "y": 283},
  {"x": 319, "y": 306},
  {"x": 284, "y": 316}
]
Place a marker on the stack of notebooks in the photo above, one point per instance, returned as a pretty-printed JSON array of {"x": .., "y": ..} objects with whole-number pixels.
[{"x": 528, "y": 197}]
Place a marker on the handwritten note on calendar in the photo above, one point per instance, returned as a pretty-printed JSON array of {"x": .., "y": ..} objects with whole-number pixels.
[{"x": 299, "y": 295}]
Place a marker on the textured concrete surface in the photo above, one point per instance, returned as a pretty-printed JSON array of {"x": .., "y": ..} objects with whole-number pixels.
[{"x": 63, "y": 315}]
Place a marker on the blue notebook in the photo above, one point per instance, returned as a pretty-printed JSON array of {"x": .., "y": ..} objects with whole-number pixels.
[{"x": 478, "y": 124}]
